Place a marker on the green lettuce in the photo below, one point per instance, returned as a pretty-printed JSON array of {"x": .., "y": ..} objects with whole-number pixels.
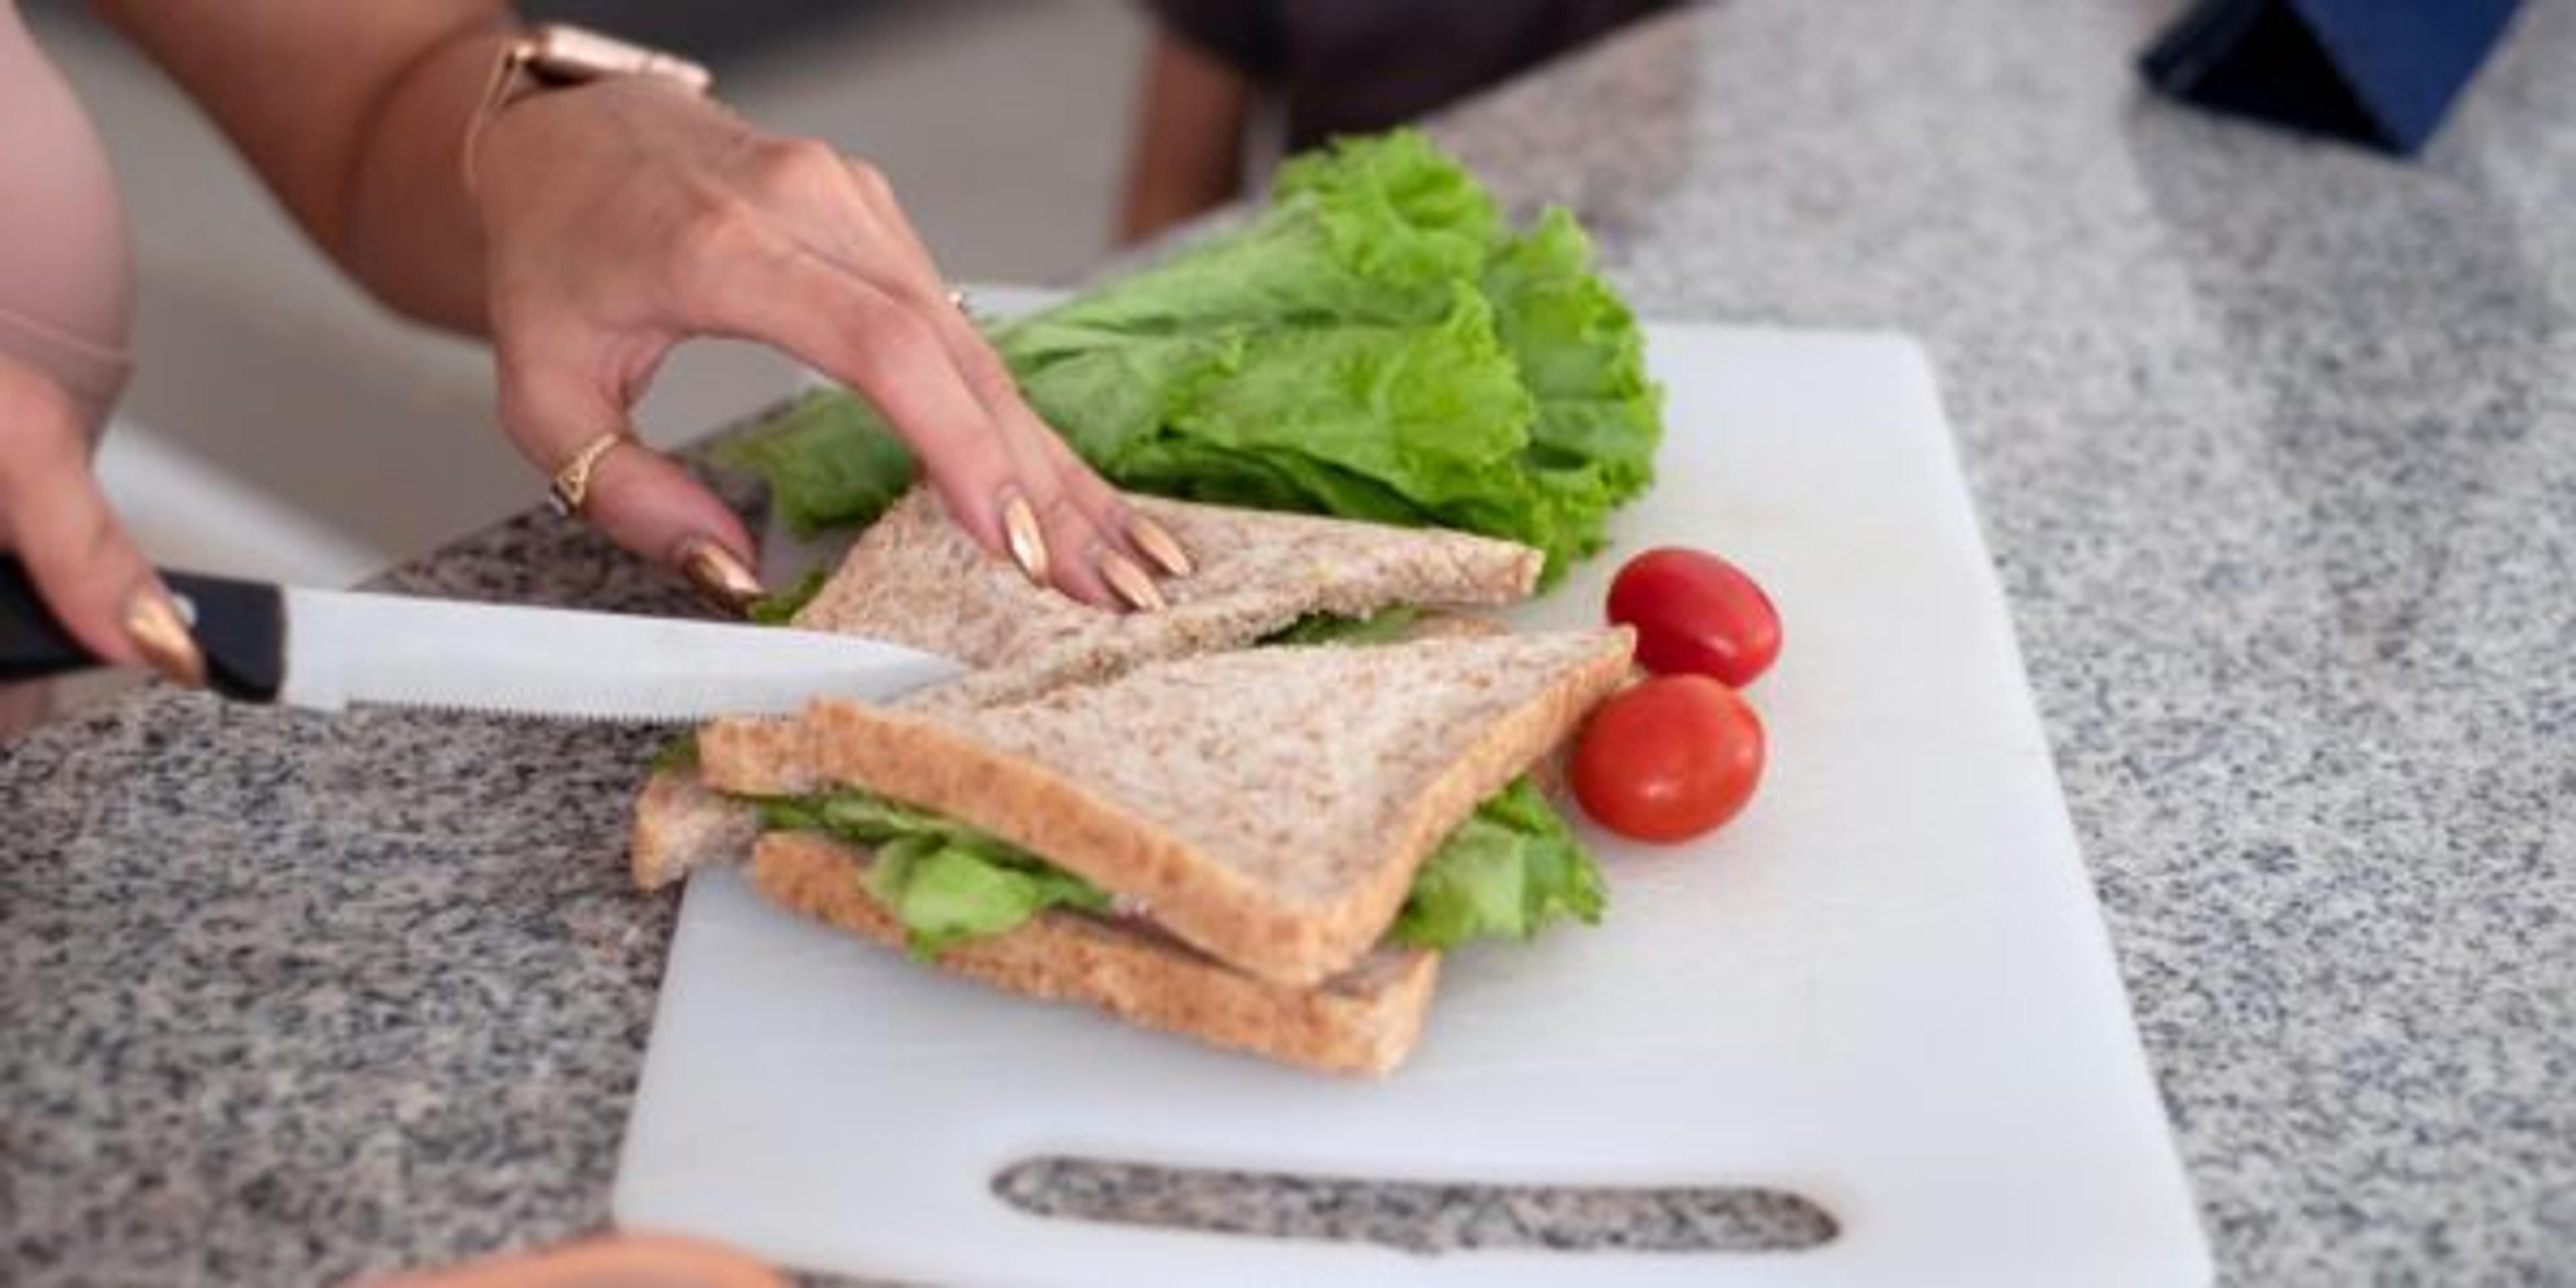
[
  {"x": 945, "y": 882},
  {"x": 1378, "y": 344},
  {"x": 781, "y": 608},
  {"x": 828, "y": 458},
  {"x": 1384, "y": 626},
  {"x": 1510, "y": 869},
  {"x": 678, "y": 756}
]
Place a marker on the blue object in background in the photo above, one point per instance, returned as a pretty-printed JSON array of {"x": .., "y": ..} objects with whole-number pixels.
[{"x": 2383, "y": 72}]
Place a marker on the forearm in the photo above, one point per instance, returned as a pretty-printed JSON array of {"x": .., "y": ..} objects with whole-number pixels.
[
  {"x": 409, "y": 230},
  {"x": 355, "y": 116}
]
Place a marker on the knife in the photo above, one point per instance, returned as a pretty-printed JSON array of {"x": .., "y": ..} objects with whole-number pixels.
[{"x": 329, "y": 649}]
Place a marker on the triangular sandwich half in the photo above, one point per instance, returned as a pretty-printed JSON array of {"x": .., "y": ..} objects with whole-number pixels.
[
  {"x": 1225, "y": 845},
  {"x": 1328, "y": 985},
  {"x": 917, "y": 579}
]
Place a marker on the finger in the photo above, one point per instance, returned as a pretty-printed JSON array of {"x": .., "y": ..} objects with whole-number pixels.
[
  {"x": 1089, "y": 515},
  {"x": 606, "y": 1263},
  {"x": 1111, "y": 519},
  {"x": 634, "y": 496},
  {"x": 999, "y": 489},
  {"x": 865, "y": 235},
  {"x": 90, "y": 575},
  {"x": 872, "y": 222},
  {"x": 1092, "y": 562},
  {"x": 645, "y": 502},
  {"x": 1146, "y": 540},
  {"x": 1080, "y": 513}
]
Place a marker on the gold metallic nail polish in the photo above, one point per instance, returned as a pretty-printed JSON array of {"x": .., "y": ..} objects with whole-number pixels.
[
  {"x": 1159, "y": 545},
  {"x": 1027, "y": 542},
  {"x": 719, "y": 577},
  {"x": 153, "y": 623},
  {"x": 1128, "y": 578}
]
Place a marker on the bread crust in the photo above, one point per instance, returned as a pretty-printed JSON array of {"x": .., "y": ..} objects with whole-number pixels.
[
  {"x": 1288, "y": 936},
  {"x": 680, "y": 824},
  {"x": 1364, "y": 1022}
]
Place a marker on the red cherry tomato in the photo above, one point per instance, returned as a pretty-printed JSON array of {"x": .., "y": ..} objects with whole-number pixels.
[
  {"x": 1696, "y": 614},
  {"x": 1668, "y": 759}
]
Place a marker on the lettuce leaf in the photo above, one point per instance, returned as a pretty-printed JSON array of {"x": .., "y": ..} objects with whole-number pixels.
[
  {"x": 781, "y": 608},
  {"x": 1512, "y": 868},
  {"x": 945, "y": 882},
  {"x": 1378, "y": 344},
  {"x": 945, "y": 892},
  {"x": 1582, "y": 357},
  {"x": 679, "y": 755},
  {"x": 1381, "y": 627},
  {"x": 828, "y": 458}
]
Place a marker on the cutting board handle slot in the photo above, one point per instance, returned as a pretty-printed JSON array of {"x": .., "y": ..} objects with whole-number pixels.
[{"x": 1281, "y": 1205}]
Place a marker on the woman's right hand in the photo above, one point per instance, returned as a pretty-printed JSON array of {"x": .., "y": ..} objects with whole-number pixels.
[
  {"x": 56, "y": 519},
  {"x": 625, "y": 216}
]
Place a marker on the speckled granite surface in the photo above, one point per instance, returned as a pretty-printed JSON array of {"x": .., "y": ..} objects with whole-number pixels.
[{"x": 2275, "y": 441}]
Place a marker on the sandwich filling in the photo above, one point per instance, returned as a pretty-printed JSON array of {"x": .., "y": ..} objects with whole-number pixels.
[
  {"x": 1510, "y": 869},
  {"x": 1385, "y": 626}
]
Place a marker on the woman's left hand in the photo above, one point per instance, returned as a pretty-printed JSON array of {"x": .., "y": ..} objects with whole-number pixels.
[
  {"x": 615, "y": 1261},
  {"x": 625, "y": 216}
]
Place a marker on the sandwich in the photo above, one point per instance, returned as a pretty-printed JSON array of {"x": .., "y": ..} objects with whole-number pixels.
[
  {"x": 915, "y": 578},
  {"x": 1255, "y": 819}
]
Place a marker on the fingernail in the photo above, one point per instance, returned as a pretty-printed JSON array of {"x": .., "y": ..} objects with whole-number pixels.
[
  {"x": 162, "y": 637},
  {"x": 1159, "y": 545},
  {"x": 1128, "y": 578},
  {"x": 1020, "y": 530},
  {"x": 718, "y": 577}
]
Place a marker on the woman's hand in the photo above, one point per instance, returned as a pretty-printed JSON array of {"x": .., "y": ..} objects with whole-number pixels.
[
  {"x": 617, "y": 1261},
  {"x": 625, "y": 216},
  {"x": 54, "y": 517},
  {"x": 609, "y": 222}
]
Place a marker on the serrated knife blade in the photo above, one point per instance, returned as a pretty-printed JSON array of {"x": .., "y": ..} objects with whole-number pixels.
[
  {"x": 345, "y": 647},
  {"x": 332, "y": 649}
]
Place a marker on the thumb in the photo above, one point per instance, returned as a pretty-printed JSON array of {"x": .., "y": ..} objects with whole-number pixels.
[
  {"x": 632, "y": 494},
  {"x": 88, "y": 572},
  {"x": 641, "y": 500}
]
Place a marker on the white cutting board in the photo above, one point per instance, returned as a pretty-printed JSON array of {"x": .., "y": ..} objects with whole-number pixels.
[{"x": 1886, "y": 986}]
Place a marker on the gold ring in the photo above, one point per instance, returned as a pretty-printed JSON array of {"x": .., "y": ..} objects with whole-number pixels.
[{"x": 569, "y": 489}]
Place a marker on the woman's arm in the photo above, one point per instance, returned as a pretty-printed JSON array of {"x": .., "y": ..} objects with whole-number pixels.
[
  {"x": 354, "y": 115},
  {"x": 611, "y": 221}
]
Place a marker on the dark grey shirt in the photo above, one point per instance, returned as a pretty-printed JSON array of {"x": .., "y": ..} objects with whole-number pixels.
[{"x": 1355, "y": 66}]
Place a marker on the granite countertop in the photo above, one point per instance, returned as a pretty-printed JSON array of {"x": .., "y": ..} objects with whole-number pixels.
[{"x": 2274, "y": 441}]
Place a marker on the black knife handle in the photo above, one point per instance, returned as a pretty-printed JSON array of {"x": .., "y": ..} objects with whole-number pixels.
[
  {"x": 240, "y": 625},
  {"x": 32, "y": 643}
]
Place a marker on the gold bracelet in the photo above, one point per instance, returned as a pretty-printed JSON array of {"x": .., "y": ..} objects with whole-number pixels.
[{"x": 559, "y": 56}]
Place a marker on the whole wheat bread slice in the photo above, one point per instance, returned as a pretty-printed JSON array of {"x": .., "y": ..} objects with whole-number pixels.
[
  {"x": 1270, "y": 806},
  {"x": 1363, "y": 1021},
  {"x": 681, "y": 824},
  {"x": 917, "y": 579}
]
